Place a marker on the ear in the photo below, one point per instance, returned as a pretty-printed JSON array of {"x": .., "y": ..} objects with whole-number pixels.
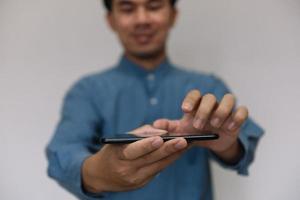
[
  {"x": 174, "y": 15},
  {"x": 110, "y": 20}
]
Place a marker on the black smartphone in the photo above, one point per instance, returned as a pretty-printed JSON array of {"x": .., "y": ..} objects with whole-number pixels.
[{"x": 129, "y": 138}]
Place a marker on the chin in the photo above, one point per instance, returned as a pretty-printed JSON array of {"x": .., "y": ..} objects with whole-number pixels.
[{"x": 147, "y": 54}]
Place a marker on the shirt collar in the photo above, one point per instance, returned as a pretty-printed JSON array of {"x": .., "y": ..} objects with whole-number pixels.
[{"x": 132, "y": 68}]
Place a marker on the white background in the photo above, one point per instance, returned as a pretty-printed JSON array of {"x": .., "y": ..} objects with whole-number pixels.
[{"x": 253, "y": 45}]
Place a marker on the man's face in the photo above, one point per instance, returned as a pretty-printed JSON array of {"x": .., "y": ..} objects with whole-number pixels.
[{"x": 142, "y": 25}]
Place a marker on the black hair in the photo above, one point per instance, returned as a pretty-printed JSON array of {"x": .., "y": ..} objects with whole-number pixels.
[{"x": 108, "y": 4}]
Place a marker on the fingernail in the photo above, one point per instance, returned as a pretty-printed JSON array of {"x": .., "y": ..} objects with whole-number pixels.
[
  {"x": 199, "y": 123},
  {"x": 215, "y": 122},
  {"x": 160, "y": 131},
  {"x": 179, "y": 145},
  {"x": 187, "y": 107},
  {"x": 157, "y": 142},
  {"x": 231, "y": 126}
]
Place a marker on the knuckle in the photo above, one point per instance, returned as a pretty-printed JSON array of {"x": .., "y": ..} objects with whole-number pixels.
[
  {"x": 222, "y": 112},
  {"x": 123, "y": 172},
  {"x": 169, "y": 149},
  {"x": 134, "y": 181},
  {"x": 203, "y": 112},
  {"x": 146, "y": 148},
  {"x": 124, "y": 155}
]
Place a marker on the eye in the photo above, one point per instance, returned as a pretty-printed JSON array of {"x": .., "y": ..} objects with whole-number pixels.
[
  {"x": 155, "y": 5},
  {"x": 126, "y": 7}
]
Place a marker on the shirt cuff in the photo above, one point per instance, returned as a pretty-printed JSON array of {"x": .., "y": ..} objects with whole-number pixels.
[
  {"x": 239, "y": 165},
  {"x": 248, "y": 137},
  {"x": 67, "y": 170},
  {"x": 76, "y": 178}
]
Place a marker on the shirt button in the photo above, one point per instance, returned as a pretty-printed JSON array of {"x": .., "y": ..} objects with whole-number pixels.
[
  {"x": 150, "y": 77},
  {"x": 153, "y": 101}
]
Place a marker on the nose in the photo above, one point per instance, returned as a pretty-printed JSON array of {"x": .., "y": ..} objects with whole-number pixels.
[{"x": 142, "y": 16}]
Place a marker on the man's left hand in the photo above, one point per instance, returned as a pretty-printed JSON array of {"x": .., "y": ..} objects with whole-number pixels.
[{"x": 203, "y": 114}]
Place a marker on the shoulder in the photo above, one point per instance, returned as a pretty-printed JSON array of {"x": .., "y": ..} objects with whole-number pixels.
[{"x": 96, "y": 79}]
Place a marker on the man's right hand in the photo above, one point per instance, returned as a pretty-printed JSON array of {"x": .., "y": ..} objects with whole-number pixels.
[{"x": 127, "y": 167}]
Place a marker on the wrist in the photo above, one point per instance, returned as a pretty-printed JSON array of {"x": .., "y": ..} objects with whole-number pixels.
[
  {"x": 91, "y": 182},
  {"x": 232, "y": 154}
]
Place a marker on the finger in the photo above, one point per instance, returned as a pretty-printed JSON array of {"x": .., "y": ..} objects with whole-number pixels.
[
  {"x": 161, "y": 124},
  {"x": 237, "y": 119},
  {"x": 204, "y": 111},
  {"x": 147, "y": 130},
  {"x": 165, "y": 124},
  {"x": 223, "y": 111},
  {"x": 191, "y": 101},
  {"x": 170, "y": 147},
  {"x": 137, "y": 149},
  {"x": 154, "y": 168}
]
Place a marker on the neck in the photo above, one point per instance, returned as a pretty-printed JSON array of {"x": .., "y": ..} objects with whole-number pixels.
[{"x": 148, "y": 63}]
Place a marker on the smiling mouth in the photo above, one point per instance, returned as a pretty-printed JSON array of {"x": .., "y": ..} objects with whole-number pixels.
[{"x": 143, "y": 38}]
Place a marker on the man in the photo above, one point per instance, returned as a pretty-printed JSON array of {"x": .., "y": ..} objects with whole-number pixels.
[{"x": 145, "y": 90}]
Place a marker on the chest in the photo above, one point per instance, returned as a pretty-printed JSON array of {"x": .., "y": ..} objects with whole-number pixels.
[{"x": 135, "y": 103}]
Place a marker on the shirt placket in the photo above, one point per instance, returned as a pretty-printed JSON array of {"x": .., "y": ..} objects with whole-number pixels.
[{"x": 151, "y": 83}]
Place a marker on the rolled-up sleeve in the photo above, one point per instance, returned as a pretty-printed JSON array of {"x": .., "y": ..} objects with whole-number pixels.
[
  {"x": 74, "y": 139},
  {"x": 249, "y": 136}
]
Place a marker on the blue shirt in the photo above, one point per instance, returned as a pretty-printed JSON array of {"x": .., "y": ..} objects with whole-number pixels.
[{"x": 123, "y": 98}]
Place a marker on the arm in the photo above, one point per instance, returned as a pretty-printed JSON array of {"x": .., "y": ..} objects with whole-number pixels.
[
  {"x": 87, "y": 170},
  {"x": 248, "y": 136},
  {"x": 74, "y": 138}
]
